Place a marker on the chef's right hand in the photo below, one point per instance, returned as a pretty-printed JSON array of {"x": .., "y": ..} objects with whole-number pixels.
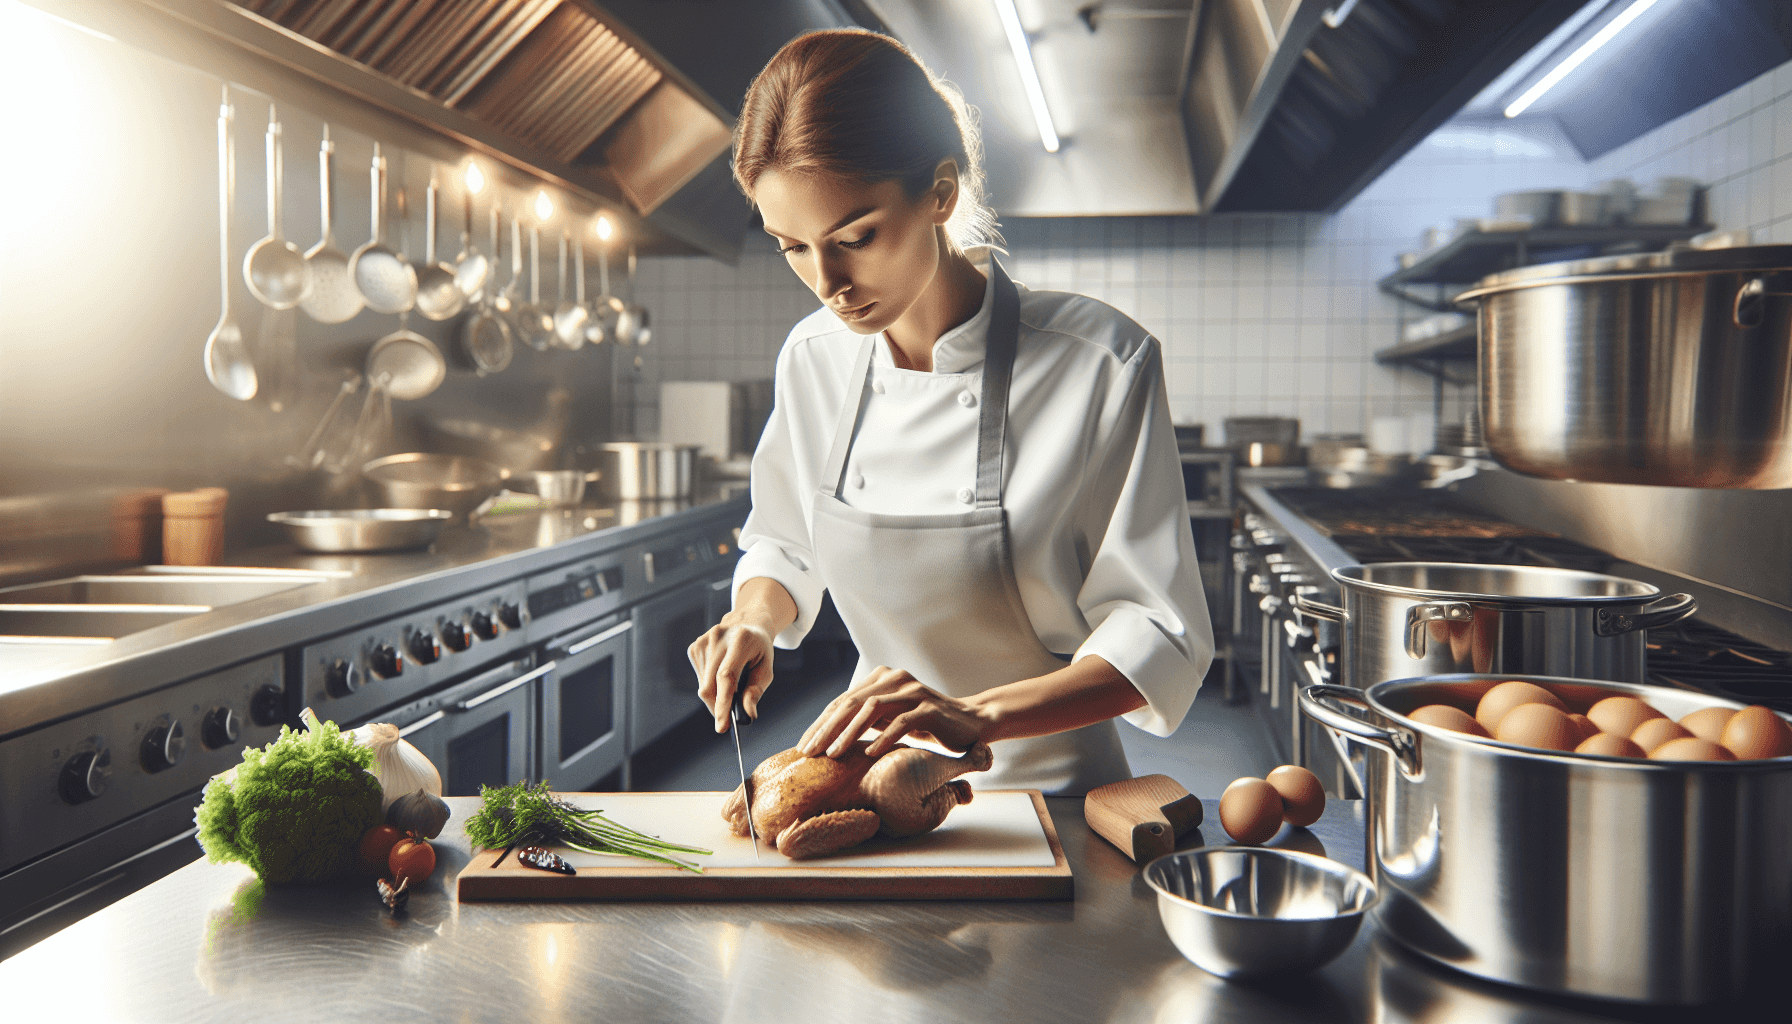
[{"x": 736, "y": 653}]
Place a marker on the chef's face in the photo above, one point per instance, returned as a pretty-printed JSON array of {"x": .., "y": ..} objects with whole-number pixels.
[{"x": 867, "y": 251}]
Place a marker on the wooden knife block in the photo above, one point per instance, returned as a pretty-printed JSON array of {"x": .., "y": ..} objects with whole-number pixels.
[{"x": 1144, "y": 817}]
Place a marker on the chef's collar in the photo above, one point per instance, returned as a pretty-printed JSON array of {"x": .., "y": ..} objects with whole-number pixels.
[{"x": 961, "y": 348}]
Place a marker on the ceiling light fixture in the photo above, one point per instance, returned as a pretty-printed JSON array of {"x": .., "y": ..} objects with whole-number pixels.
[
  {"x": 1577, "y": 58},
  {"x": 544, "y": 207},
  {"x": 1029, "y": 75}
]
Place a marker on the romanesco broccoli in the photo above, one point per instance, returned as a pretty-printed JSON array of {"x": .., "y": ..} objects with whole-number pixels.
[{"x": 294, "y": 811}]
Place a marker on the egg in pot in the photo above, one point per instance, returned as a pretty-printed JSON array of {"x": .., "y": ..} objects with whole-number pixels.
[
  {"x": 1656, "y": 731},
  {"x": 1504, "y": 697},
  {"x": 1690, "y": 748},
  {"x": 1621, "y": 716},
  {"x": 1708, "y": 723},
  {"x": 1608, "y": 745},
  {"x": 1443, "y": 716},
  {"x": 1540, "y": 726},
  {"x": 1756, "y": 732}
]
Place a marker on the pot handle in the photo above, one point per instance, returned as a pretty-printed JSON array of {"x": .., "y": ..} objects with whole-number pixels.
[
  {"x": 1401, "y": 743},
  {"x": 1658, "y": 612},
  {"x": 1420, "y": 616},
  {"x": 1318, "y": 610},
  {"x": 1749, "y": 309}
]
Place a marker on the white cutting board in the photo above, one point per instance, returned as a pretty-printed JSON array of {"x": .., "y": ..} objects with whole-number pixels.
[{"x": 999, "y": 846}]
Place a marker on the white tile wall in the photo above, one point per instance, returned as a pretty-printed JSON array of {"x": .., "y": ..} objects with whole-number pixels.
[{"x": 1268, "y": 313}]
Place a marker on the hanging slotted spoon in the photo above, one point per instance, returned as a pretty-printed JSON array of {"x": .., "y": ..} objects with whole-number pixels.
[
  {"x": 438, "y": 296},
  {"x": 334, "y": 298},
  {"x": 227, "y": 363},
  {"x": 385, "y": 280}
]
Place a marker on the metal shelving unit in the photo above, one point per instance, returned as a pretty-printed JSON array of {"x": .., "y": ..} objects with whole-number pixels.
[{"x": 1473, "y": 255}]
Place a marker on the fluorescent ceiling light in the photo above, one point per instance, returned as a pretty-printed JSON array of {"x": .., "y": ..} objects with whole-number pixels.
[
  {"x": 1578, "y": 57},
  {"x": 1029, "y": 75}
]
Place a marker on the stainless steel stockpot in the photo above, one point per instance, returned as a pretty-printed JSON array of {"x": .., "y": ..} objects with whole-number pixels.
[
  {"x": 1402, "y": 619},
  {"x": 647, "y": 470},
  {"x": 1620, "y": 878},
  {"x": 1672, "y": 368}
]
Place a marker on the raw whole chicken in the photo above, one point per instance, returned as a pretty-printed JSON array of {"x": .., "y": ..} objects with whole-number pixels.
[{"x": 814, "y": 806}]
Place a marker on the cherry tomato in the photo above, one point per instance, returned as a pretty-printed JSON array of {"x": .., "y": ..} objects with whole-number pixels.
[
  {"x": 375, "y": 850},
  {"x": 412, "y": 858}
]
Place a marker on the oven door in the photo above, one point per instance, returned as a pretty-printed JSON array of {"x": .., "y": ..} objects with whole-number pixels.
[
  {"x": 482, "y": 731},
  {"x": 663, "y": 690},
  {"x": 584, "y": 705}
]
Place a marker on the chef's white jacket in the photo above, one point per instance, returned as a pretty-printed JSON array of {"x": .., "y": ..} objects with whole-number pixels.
[{"x": 1097, "y": 518}]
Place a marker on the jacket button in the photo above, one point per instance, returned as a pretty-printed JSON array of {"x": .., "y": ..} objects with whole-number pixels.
[
  {"x": 877, "y": 386},
  {"x": 966, "y": 495},
  {"x": 966, "y": 399},
  {"x": 858, "y": 481}
]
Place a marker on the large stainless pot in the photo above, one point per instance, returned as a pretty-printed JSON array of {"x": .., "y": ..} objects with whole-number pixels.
[
  {"x": 1403, "y": 619},
  {"x": 1611, "y": 877},
  {"x": 1668, "y": 368},
  {"x": 647, "y": 470}
]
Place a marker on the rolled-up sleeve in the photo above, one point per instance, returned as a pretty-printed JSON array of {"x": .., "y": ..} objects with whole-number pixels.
[
  {"x": 1142, "y": 595},
  {"x": 775, "y": 541}
]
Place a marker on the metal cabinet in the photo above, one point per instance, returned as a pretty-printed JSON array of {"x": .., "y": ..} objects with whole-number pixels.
[
  {"x": 584, "y": 705},
  {"x": 663, "y": 690}
]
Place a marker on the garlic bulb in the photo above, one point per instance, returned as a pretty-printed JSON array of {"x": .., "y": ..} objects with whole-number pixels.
[{"x": 400, "y": 767}]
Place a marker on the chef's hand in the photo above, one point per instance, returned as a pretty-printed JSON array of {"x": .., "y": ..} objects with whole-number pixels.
[
  {"x": 736, "y": 653},
  {"x": 896, "y": 702}
]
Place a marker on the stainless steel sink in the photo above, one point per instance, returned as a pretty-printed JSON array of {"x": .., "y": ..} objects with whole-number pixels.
[
  {"x": 96, "y": 609},
  {"x": 210, "y": 591},
  {"x": 98, "y": 621}
]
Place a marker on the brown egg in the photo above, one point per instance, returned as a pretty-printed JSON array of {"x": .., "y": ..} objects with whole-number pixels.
[
  {"x": 1656, "y": 731},
  {"x": 1621, "y": 715},
  {"x": 1607, "y": 745},
  {"x": 1303, "y": 798},
  {"x": 1708, "y": 723},
  {"x": 1508, "y": 695},
  {"x": 1756, "y": 732},
  {"x": 1443, "y": 716},
  {"x": 1584, "y": 729},
  {"x": 1250, "y": 810},
  {"x": 1538, "y": 725},
  {"x": 1690, "y": 748}
]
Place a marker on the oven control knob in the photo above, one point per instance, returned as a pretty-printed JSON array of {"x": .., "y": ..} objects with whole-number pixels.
[
  {"x": 342, "y": 678},
  {"x": 268, "y": 706},
  {"x": 220, "y": 728},
  {"x": 386, "y": 661},
  {"x": 485, "y": 626},
  {"x": 511, "y": 614},
  {"x": 164, "y": 745},
  {"x": 425, "y": 647},
  {"x": 457, "y": 636},
  {"x": 86, "y": 775}
]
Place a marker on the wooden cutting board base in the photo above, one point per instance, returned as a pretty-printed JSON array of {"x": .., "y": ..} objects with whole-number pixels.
[{"x": 1000, "y": 846}]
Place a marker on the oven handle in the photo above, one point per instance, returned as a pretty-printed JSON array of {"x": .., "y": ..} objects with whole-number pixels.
[
  {"x": 592, "y": 641},
  {"x": 422, "y": 723},
  {"x": 499, "y": 691}
]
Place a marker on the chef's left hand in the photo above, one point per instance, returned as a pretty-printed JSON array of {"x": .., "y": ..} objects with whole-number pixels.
[{"x": 896, "y": 702}]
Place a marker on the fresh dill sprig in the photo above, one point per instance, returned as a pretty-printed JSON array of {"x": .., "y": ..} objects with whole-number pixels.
[{"x": 532, "y": 814}]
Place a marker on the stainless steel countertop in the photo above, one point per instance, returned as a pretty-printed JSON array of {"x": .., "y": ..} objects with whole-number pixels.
[
  {"x": 494, "y": 550},
  {"x": 209, "y": 944}
]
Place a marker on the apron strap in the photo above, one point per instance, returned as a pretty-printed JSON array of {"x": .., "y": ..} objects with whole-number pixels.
[
  {"x": 998, "y": 369},
  {"x": 833, "y": 475}
]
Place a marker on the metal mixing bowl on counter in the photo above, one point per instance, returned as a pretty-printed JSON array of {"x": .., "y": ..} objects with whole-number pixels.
[
  {"x": 1246, "y": 912},
  {"x": 362, "y": 529},
  {"x": 456, "y": 483}
]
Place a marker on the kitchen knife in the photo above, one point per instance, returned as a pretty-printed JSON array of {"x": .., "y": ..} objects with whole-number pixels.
[{"x": 737, "y": 717}]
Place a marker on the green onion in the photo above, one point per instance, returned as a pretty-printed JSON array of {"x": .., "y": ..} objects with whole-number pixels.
[{"x": 522, "y": 812}]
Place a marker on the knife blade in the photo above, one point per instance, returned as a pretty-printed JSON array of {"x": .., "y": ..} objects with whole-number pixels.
[{"x": 737, "y": 717}]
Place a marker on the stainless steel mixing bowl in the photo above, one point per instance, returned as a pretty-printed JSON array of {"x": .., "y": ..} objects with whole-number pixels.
[
  {"x": 1245, "y": 912},
  {"x": 426, "y": 480}
]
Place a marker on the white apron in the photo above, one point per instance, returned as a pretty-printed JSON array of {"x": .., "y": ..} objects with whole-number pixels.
[{"x": 935, "y": 594}]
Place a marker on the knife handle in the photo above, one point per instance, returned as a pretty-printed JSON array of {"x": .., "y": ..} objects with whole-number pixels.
[
  {"x": 1144, "y": 817},
  {"x": 737, "y": 711}
]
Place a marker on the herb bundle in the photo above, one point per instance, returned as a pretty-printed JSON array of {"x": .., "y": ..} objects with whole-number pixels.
[{"x": 524, "y": 813}]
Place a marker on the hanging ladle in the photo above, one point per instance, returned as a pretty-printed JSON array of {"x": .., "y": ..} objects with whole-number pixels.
[
  {"x": 274, "y": 268},
  {"x": 334, "y": 298},
  {"x": 472, "y": 270},
  {"x": 569, "y": 316},
  {"x": 438, "y": 296},
  {"x": 227, "y": 363}
]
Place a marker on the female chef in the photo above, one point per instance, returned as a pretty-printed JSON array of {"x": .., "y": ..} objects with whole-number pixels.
[{"x": 983, "y": 476}]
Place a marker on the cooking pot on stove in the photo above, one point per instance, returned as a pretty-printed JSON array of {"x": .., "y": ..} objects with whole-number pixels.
[
  {"x": 1670, "y": 368},
  {"x": 1402, "y": 619},
  {"x": 1614, "y": 877}
]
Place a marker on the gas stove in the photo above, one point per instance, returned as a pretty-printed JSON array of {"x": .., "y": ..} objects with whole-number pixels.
[{"x": 1386, "y": 525}]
